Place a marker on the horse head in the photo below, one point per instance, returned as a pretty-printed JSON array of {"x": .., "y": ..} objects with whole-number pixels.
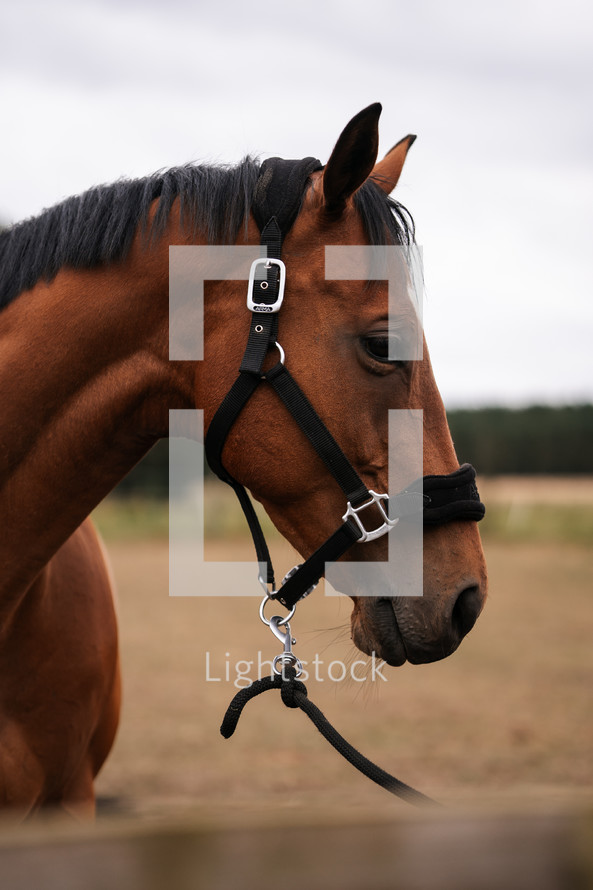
[{"x": 338, "y": 333}]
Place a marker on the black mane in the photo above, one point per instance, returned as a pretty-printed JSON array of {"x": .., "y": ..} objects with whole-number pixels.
[{"x": 98, "y": 227}]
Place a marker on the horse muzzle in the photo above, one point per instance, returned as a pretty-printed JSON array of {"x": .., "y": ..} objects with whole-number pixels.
[{"x": 416, "y": 629}]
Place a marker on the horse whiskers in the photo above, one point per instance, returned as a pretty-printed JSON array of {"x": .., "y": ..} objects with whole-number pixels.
[
  {"x": 342, "y": 633},
  {"x": 360, "y": 669},
  {"x": 360, "y": 672}
]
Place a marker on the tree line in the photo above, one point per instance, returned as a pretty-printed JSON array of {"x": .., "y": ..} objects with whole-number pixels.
[
  {"x": 498, "y": 441},
  {"x": 536, "y": 440}
]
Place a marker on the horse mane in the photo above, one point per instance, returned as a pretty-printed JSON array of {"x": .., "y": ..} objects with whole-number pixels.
[{"x": 98, "y": 227}]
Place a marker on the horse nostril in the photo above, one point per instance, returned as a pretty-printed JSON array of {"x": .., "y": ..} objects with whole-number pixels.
[{"x": 468, "y": 606}]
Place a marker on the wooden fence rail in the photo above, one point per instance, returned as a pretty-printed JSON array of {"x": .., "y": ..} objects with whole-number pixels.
[{"x": 451, "y": 851}]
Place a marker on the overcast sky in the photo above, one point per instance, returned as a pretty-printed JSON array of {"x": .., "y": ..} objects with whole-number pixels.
[{"x": 500, "y": 180}]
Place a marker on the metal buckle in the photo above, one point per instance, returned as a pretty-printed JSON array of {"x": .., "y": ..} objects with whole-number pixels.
[
  {"x": 267, "y": 263},
  {"x": 374, "y": 533}
]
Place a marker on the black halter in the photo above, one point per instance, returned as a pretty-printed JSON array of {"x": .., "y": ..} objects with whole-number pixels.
[{"x": 277, "y": 201}]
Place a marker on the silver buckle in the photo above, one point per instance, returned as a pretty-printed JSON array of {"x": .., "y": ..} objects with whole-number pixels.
[
  {"x": 374, "y": 533},
  {"x": 267, "y": 263}
]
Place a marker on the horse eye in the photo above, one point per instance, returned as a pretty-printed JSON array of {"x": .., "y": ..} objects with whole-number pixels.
[{"x": 378, "y": 348}]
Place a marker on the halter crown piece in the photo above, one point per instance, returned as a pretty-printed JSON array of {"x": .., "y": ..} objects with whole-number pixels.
[{"x": 277, "y": 201}]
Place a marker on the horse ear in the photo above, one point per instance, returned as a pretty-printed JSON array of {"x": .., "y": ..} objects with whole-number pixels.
[
  {"x": 352, "y": 159},
  {"x": 387, "y": 172}
]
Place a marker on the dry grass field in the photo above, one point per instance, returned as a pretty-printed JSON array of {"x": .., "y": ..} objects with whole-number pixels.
[{"x": 509, "y": 716}]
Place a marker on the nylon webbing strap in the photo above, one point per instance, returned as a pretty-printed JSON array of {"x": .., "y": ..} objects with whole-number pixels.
[
  {"x": 261, "y": 335},
  {"x": 271, "y": 238},
  {"x": 318, "y": 434},
  {"x": 309, "y": 573},
  {"x": 264, "y": 326},
  {"x": 228, "y": 411},
  {"x": 277, "y": 200}
]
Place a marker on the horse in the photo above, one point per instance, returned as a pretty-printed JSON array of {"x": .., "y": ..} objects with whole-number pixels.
[{"x": 87, "y": 387}]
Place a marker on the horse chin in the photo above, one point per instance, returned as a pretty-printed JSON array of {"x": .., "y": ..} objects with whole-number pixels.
[{"x": 377, "y": 630}]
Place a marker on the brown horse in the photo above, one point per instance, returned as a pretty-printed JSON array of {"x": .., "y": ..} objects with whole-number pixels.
[{"x": 87, "y": 385}]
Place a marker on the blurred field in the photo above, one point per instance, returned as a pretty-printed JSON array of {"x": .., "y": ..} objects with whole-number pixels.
[{"x": 509, "y": 715}]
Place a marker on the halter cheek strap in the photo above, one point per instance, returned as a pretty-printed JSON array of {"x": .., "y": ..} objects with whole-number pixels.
[{"x": 277, "y": 202}]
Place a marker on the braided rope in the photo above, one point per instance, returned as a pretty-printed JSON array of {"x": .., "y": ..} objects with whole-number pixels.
[{"x": 294, "y": 695}]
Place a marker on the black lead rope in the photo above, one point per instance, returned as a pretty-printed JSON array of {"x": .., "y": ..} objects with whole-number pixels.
[{"x": 294, "y": 695}]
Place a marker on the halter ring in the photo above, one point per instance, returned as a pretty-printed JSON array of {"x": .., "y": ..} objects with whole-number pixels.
[{"x": 278, "y": 621}]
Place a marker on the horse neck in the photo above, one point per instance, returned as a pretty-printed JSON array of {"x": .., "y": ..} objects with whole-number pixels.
[{"x": 87, "y": 386}]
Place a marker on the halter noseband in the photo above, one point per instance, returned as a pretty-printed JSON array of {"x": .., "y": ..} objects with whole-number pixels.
[{"x": 277, "y": 200}]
